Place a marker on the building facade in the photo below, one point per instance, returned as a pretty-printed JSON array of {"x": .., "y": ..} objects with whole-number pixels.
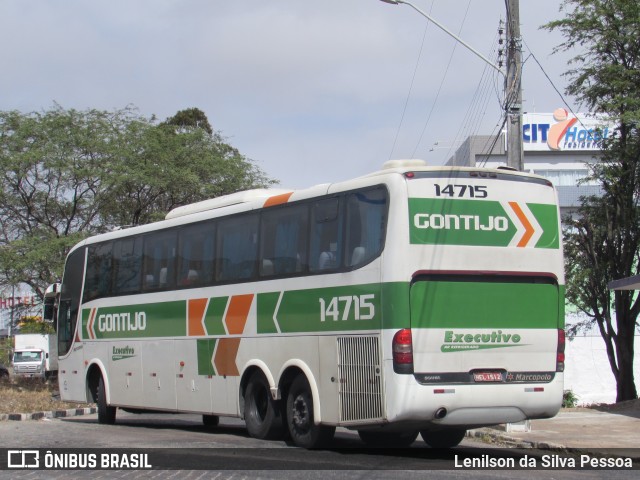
[{"x": 558, "y": 146}]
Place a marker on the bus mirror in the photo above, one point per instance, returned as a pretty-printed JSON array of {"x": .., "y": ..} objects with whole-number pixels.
[
  {"x": 49, "y": 302},
  {"x": 47, "y": 313}
]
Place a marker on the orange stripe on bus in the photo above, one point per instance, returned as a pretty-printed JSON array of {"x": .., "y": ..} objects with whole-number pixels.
[
  {"x": 195, "y": 312},
  {"x": 529, "y": 230},
  {"x": 237, "y": 313},
  {"x": 277, "y": 199},
  {"x": 225, "y": 357}
]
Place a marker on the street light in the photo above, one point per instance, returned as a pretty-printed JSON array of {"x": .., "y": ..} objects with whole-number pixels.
[
  {"x": 448, "y": 32},
  {"x": 512, "y": 77}
]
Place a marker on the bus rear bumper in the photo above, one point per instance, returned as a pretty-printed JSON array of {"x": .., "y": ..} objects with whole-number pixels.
[{"x": 473, "y": 405}]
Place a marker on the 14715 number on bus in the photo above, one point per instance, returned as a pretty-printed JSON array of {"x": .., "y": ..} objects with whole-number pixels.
[{"x": 340, "y": 308}]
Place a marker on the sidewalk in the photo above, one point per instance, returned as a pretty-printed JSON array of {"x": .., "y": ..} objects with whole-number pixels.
[{"x": 577, "y": 430}]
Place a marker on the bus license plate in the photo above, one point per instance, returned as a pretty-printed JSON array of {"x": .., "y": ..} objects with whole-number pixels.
[{"x": 487, "y": 376}]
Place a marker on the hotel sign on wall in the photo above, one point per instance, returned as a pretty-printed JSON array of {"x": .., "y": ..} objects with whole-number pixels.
[{"x": 562, "y": 131}]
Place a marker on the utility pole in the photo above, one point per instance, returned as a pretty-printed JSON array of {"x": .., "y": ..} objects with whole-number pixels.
[{"x": 513, "y": 87}]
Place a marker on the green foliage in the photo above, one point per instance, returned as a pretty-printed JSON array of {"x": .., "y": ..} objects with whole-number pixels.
[
  {"x": 68, "y": 174},
  {"x": 35, "y": 325},
  {"x": 602, "y": 240},
  {"x": 5, "y": 351},
  {"x": 191, "y": 118},
  {"x": 569, "y": 399}
]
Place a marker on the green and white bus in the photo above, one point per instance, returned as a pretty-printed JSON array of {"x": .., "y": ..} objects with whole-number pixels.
[{"x": 412, "y": 300}]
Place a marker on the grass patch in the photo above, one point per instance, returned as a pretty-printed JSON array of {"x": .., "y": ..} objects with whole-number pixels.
[
  {"x": 27, "y": 395},
  {"x": 5, "y": 351}
]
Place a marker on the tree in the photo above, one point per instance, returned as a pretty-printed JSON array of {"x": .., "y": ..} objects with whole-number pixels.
[
  {"x": 191, "y": 117},
  {"x": 162, "y": 167},
  {"x": 69, "y": 174},
  {"x": 53, "y": 166},
  {"x": 34, "y": 324},
  {"x": 602, "y": 241}
]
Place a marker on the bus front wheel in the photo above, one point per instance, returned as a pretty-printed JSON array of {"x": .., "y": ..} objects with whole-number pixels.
[
  {"x": 106, "y": 413},
  {"x": 261, "y": 412},
  {"x": 443, "y": 438},
  {"x": 304, "y": 432}
]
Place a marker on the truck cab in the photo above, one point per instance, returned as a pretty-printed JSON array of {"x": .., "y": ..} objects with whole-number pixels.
[{"x": 35, "y": 355}]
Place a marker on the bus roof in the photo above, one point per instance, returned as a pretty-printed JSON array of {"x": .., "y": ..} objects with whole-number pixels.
[{"x": 256, "y": 198}]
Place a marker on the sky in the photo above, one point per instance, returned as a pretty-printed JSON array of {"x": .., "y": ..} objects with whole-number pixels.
[{"x": 311, "y": 91}]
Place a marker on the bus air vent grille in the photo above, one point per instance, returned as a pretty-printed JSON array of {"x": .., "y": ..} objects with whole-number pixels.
[{"x": 360, "y": 383}]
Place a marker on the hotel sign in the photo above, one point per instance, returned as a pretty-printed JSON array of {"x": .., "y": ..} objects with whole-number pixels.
[{"x": 562, "y": 131}]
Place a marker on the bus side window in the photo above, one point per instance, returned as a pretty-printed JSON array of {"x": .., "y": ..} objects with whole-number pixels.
[
  {"x": 237, "y": 248},
  {"x": 366, "y": 225},
  {"x": 284, "y": 241},
  {"x": 159, "y": 260},
  {"x": 98, "y": 279},
  {"x": 326, "y": 235},
  {"x": 196, "y": 258},
  {"x": 127, "y": 262}
]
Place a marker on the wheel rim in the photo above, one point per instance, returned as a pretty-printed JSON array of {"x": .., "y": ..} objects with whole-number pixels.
[{"x": 300, "y": 414}]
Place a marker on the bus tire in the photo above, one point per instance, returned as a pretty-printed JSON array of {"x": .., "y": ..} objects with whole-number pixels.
[
  {"x": 304, "y": 432},
  {"x": 210, "y": 421},
  {"x": 448, "y": 438},
  {"x": 261, "y": 412},
  {"x": 374, "y": 438},
  {"x": 106, "y": 413}
]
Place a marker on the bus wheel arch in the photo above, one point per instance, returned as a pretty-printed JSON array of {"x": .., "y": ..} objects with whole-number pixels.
[
  {"x": 288, "y": 374},
  {"x": 247, "y": 374},
  {"x": 302, "y": 412},
  {"x": 262, "y": 413},
  {"x": 94, "y": 372},
  {"x": 98, "y": 391}
]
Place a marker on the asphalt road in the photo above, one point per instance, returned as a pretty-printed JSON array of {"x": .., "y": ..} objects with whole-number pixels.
[{"x": 187, "y": 449}]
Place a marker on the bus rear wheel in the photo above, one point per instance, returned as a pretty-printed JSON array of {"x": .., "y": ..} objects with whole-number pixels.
[
  {"x": 262, "y": 413},
  {"x": 106, "y": 413},
  {"x": 443, "y": 438},
  {"x": 304, "y": 432},
  {"x": 375, "y": 438}
]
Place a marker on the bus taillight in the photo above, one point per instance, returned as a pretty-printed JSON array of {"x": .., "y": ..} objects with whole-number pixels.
[
  {"x": 402, "y": 348},
  {"x": 560, "y": 351}
]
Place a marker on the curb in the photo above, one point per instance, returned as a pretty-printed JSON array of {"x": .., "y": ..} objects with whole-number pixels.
[
  {"x": 489, "y": 435},
  {"x": 72, "y": 412}
]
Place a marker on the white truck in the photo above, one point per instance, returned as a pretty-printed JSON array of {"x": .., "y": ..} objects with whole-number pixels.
[{"x": 35, "y": 355}]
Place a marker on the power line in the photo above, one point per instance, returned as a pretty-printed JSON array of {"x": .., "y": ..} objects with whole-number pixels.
[
  {"x": 496, "y": 137},
  {"x": 435, "y": 101},
  {"x": 477, "y": 108},
  {"x": 415, "y": 70},
  {"x": 564, "y": 100}
]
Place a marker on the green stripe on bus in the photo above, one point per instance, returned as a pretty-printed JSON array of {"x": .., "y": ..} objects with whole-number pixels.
[
  {"x": 214, "y": 318},
  {"x": 205, "y": 348},
  {"x": 547, "y": 216},
  {"x": 436, "y": 221},
  {"x": 166, "y": 319},
  {"x": 396, "y": 313},
  {"x": 393, "y": 305},
  {"x": 450, "y": 304},
  {"x": 333, "y": 309}
]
